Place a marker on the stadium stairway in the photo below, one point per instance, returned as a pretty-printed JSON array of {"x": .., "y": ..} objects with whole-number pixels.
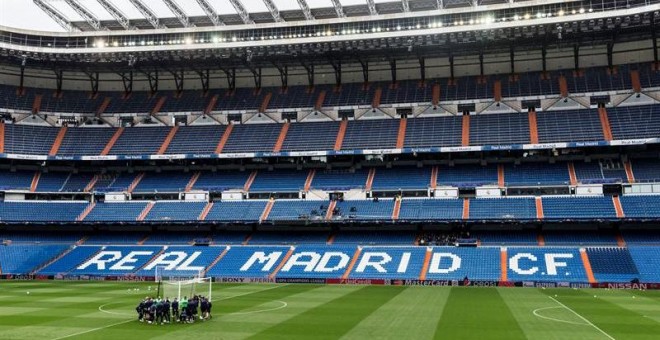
[
  {"x": 630, "y": 175},
  {"x": 35, "y": 181},
  {"x": 425, "y": 265},
  {"x": 280, "y": 139},
  {"x": 215, "y": 262},
  {"x": 225, "y": 137},
  {"x": 533, "y": 128},
  {"x": 86, "y": 212},
  {"x": 605, "y": 124},
  {"x": 53, "y": 260},
  {"x": 168, "y": 140},
  {"x": 341, "y": 135},
  {"x": 465, "y": 134},
  {"x": 351, "y": 265},
  {"x": 635, "y": 81},
  {"x": 58, "y": 141},
  {"x": 2, "y": 137}
]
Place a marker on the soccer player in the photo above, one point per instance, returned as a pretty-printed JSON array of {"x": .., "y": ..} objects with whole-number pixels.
[
  {"x": 184, "y": 306},
  {"x": 147, "y": 309},
  {"x": 204, "y": 308},
  {"x": 192, "y": 309},
  {"x": 159, "y": 312},
  {"x": 152, "y": 313},
  {"x": 140, "y": 310},
  {"x": 175, "y": 309},
  {"x": 166, "y": 310}
]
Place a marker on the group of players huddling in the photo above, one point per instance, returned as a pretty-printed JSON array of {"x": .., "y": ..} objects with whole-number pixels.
[{"x": 162, "y": 311}]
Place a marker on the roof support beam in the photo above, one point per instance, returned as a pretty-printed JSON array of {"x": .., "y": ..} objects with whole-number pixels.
[
  {"x": 405, "y": 5},
  {"x": 179, "y": 13},
  {"x": 372, "y": 7},
  {"x": 121, "y": 18},
  {"x": 440, "y": 4},
  {"x": 240, "y": 9},
  {"x": 148, "y": 13},
  {"x": 338, "y": 9},
  {"x": 305, "y": 9},
  {"x": 56, "y": 15},
  {"x": 210, "y": 12},
  {"x": 91, "y": 19},
  {"x": 273, "y": 10}
]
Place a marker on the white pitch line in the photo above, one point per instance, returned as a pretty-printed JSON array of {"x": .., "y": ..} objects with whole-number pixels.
[
  {"x": 583, "y": 318},
  {"x": 94, "y": 329},
  {"x": 537, "y": 314},
  {"x": 110, "y": 312}
]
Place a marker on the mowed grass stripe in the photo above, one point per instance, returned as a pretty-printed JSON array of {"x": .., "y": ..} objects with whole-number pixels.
[
  {"x": 542, "y": 318},
  {"x": 335, "y": 318},
  {"x": 618, "y": 322},
  {"x": 474, "y": 313},
  {"x": 633, "y": 301},
  {"x": 68, "y": 313},
  {"x": 230, "y": 304},
  {"x": 50, "y": 319},
  {"x": 418, "y": 306},
  {"x": 241, "y": 326}
]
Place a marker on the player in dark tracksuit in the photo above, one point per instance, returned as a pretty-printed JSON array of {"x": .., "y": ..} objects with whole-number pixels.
[
  {"x": 159, "y": 312},
  {"x": 152, "y": 313},
  {"x": 204, "y": 308},
  {"x": 175, "y": 309},
  {"x": 147, "y": 310},
  {"x": 166, "y": 310},
  {"x": 192, "y": 308},
  {"x": 140, "y": 310}
]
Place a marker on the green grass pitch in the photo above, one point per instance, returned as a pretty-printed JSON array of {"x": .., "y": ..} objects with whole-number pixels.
[{"x": 105, "y": 310}]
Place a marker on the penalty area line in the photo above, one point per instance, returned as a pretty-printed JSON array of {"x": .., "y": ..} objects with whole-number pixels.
[{"x": 583, "y": 318}]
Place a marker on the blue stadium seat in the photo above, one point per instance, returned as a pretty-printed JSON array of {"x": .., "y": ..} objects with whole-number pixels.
[
  {"x": 641, "y": 206},
  {"x": 202, "y": 139},
  {"x": 279, "y": 181},
  {"x": 116, "y": 212},
  {"x": 23, "y": 259},
  {"x": 576, "y": 207},
  {"x": 413, "y": 209},
  {"x": 646, "y": 260},
  {"x": 371, "y": 134},
  {"x": 166, "y": 211},
  {"x": 502, "y": 209},
  {"x": 252, "y": 138},
  {"x": 496, "y": 129},
  {"x": 611, "y": 264},
  {"x": 402, "y": 178},
  {"x": 85, "y": 141},
  {"x": 236, "y": 211},
  {"x": 569, "y": 126},
  {"x": 41, "y": 211}
]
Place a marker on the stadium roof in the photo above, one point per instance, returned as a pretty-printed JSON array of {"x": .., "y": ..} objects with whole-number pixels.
[{"x": 93, "y": 15}]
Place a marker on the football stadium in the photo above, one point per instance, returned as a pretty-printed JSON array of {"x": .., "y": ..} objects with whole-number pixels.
[{"x": 329, "y": 169}]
